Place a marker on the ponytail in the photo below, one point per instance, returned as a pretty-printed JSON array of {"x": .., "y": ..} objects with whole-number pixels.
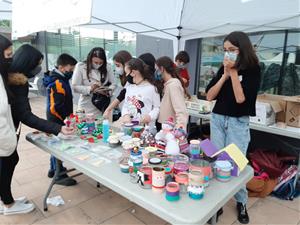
[{"x": 170, "y": 67}]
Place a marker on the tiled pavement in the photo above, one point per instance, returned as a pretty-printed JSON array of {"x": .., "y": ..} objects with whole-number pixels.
[{"x": 87, "y": 204}]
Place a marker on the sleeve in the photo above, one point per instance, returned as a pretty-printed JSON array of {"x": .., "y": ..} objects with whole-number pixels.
[
  {"x": 215, "y": 79},
  {"x": 111, "y": 77},
  {"x": 178, "y": 103},
  {"x": 155, "y": 106},
  {"x": 185, "y": 74},
  {"x": 57, "y": 100},
  {"x": 77, "y": 81},
  {"x": 251, "y": 83},
  {"x": 122, "y": 94},
  {"x": 21, "y": 111}
]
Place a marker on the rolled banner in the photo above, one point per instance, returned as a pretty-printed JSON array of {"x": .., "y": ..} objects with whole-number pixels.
[{"x": 158, "y": 177}]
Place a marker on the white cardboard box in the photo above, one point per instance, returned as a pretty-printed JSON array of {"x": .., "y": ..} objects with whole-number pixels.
[{"x": 265, "y": 114}]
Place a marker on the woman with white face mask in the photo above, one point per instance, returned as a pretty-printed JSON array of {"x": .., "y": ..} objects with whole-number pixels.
[
  {"x": 120, "y": 59},
  {"x": 235, "y": 89},
  {"x": 94, "y": 76}
]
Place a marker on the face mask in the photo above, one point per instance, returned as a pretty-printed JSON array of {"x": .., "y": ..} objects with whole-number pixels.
[
  {"x": 231, "y": 56},
  {"x": 6, "y": 63},
  {"x": 96, "y": 66},
  {"x": 129, "y": 79},
  {"x": 157, "y": 75},
  {"x": 180, "y": 65},
  {"x": 35, "y": 71},
  {"x": 68, "y": 74},
  {"x": 119, "y": 70}
]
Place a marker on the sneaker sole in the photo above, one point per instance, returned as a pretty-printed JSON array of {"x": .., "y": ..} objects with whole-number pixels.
[
  {"x": 19, "y": 212},
  {"x": 21, "y": 199}
]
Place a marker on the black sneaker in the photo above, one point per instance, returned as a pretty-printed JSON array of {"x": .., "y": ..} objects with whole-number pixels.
[
  {"x": 242, "y": 213},
  {"x": 65, "y": 181},
  {"x": 51, "y": 173},
  {"x": 219, "y": 213}
]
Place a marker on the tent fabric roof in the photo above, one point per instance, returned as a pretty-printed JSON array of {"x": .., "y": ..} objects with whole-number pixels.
[
  {"x": 196, "y": 18},
  {"x": 5, "y": 10}
]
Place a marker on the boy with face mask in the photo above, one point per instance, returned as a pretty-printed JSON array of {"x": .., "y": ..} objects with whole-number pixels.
[
  {"x": 60, "y": 101},
  {"x": 181, "y": 60}
]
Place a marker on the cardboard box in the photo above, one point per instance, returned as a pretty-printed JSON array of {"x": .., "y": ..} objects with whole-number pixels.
[
  {"x": 265, "y": 114},
  {"x": 269, "y": 109},
  {"x": 199, "y": 105},
  {"x": 279, "y": 99},
  {"x": 293, "y": 111}
]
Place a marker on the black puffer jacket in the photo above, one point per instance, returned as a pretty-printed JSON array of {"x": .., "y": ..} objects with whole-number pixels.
[{"x": 20, "y": 107}]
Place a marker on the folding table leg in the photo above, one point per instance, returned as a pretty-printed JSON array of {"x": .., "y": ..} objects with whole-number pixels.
[
  {"x": 214, "y": 219},
  {"x": 57, "y": 171}
]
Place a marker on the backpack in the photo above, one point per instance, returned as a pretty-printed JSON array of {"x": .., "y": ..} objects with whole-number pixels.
[{"x": 288, "y": 191}]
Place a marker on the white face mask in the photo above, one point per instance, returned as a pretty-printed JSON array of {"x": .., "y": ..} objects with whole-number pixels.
[
  {"x": 231, "y": 56},
  {"x": 96, "y": 66},
  {"x": 119, "y": 70}
]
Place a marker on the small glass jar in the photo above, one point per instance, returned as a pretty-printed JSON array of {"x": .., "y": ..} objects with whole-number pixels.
[
  {"x": 127, "y": 129},
  {"x": 135, "y": 159},
  {"x": 180, "y": 166},
  {"x": 195, "y": 149}
]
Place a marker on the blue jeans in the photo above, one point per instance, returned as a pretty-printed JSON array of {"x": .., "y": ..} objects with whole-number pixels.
[
  {"x": 225, "y": 130},
  {"x": 53, "y": 164}
]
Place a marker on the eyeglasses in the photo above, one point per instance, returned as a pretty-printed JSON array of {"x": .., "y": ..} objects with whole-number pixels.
[{"x": 230, "y": 50}]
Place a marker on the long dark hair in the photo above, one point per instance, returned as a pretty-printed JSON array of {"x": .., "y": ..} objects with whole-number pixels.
[
  {"x": 122, "y": 57},
  {"x": 98, "y": 53},
  {"x": 247, "y": 57},
  {"x": 143, "y": 68},
  {"x": 170, "y": 67},
  {"x": 25, "y": 59},
  {"x": 4, "y": 44},
  {"x": 149, "y": 60}
]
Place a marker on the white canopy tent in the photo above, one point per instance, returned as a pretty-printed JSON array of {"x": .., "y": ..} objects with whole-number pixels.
[
  {"x": 5, "y": 10},
  {"x": 178, "y": 20}
]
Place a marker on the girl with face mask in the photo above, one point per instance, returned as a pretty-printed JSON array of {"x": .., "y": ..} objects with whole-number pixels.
[
  {"x": 8, "y": 139},
  {"x": 235, "y": 89},
  {"x": 94, "y": 76},
  {"x": 173, "y": 100},
  {"x": 120, "y": 59},
  {"x": 142, "y": 100},
  {"x": 149, "y": 60},
  {"x": 26, "y": 64}
]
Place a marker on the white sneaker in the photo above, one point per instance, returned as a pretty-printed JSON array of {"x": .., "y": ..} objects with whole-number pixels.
[
  {"x": 21, "y": 199},
  {"x": 19, "y": 208}
]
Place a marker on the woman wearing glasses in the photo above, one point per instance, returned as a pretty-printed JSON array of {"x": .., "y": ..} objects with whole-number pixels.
[{"x": 235, "y": 89}]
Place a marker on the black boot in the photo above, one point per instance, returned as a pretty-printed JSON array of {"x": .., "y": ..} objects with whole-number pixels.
[
  {"x": 242, "y": 213},
  {"x": 219, "y": 213}
]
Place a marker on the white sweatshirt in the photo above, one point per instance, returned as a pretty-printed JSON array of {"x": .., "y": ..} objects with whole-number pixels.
[
  {"x": 82, "y": 85},
  {"x": 8, "y": 138},
  {"x": 141, "y": 100}
]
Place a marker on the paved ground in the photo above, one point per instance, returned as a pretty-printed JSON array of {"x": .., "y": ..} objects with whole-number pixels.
[{"x": 87, "y": 204}]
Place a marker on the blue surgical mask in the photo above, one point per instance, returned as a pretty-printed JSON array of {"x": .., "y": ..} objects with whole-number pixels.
[
  {"x": 157, "y": 75},
  {"x": 231, "y": 55}
]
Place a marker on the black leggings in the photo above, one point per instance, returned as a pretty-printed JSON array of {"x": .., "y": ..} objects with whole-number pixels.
[{"x": 7, "y": 167}]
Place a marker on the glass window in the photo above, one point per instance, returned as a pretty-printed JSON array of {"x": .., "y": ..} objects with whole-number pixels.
[
  {"x": 290, "y": 82},
  {"x": 211, "y": 59},
  {"x": 269, "y": 48}
]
